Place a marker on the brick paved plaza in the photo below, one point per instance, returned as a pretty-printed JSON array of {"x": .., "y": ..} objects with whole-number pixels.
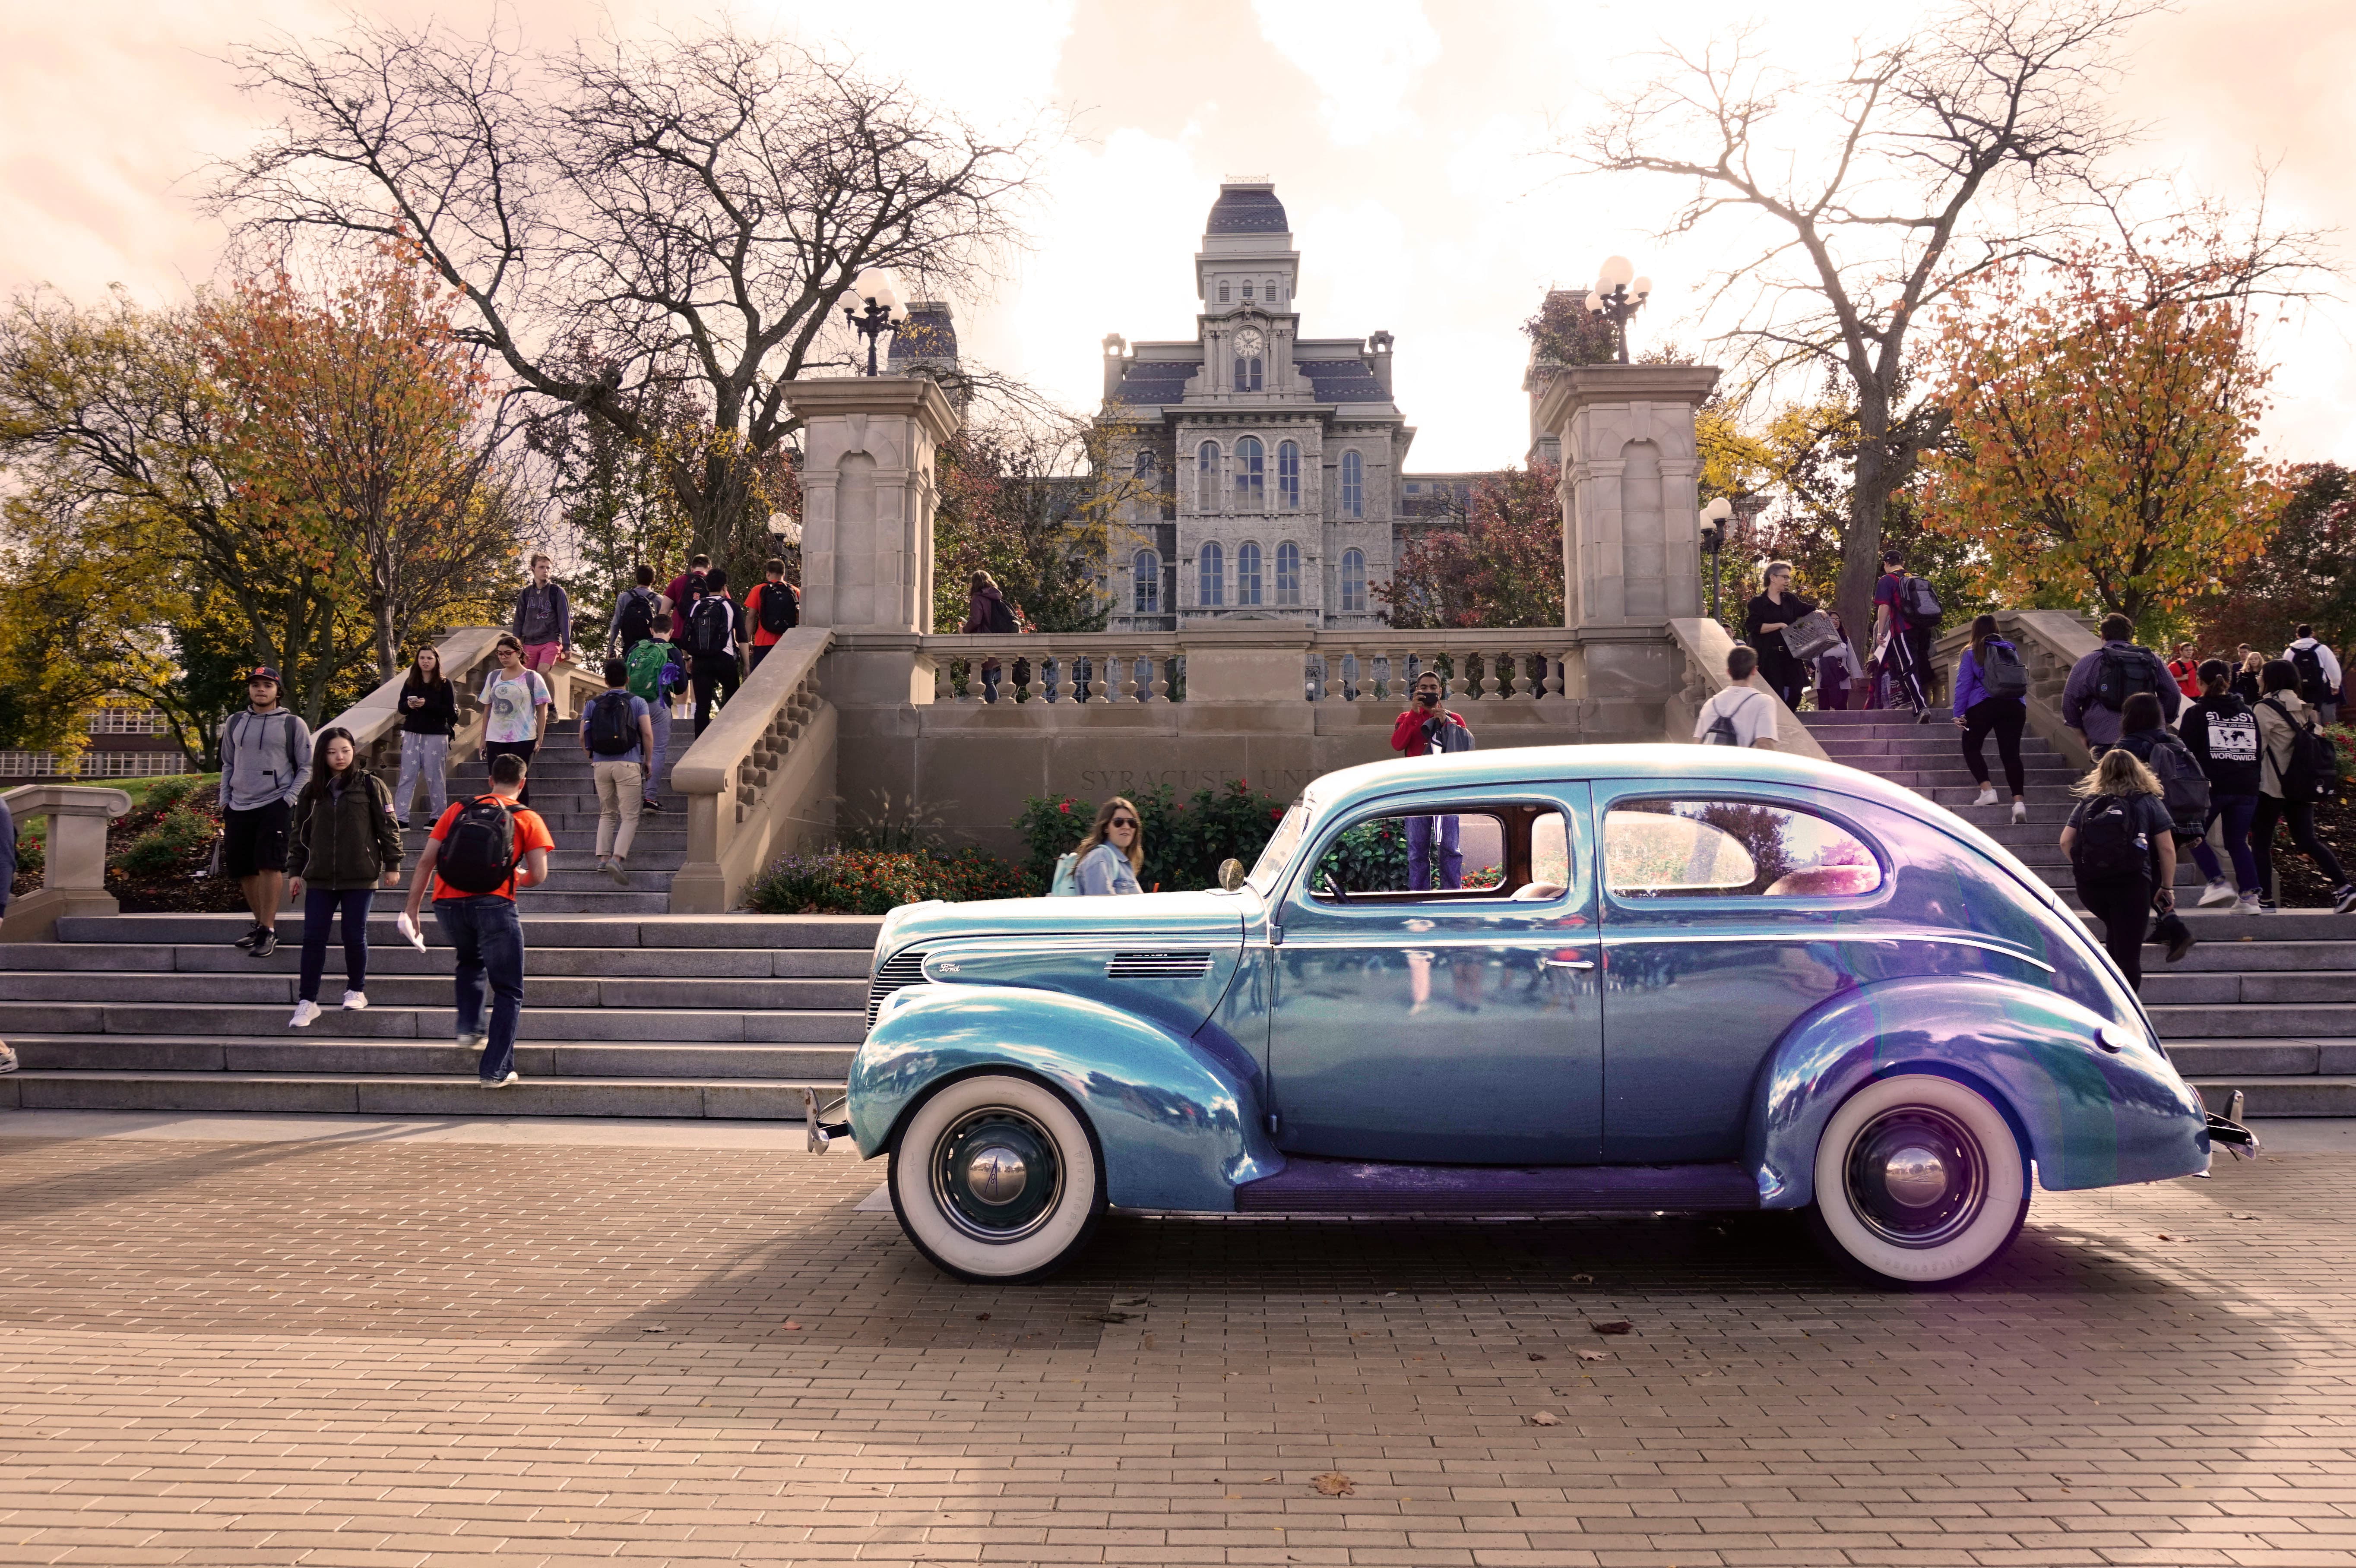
[{"x": 366, "y": 1349}]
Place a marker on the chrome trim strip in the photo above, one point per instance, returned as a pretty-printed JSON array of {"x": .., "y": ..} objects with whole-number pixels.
[{"x": 1949, "y": 938}]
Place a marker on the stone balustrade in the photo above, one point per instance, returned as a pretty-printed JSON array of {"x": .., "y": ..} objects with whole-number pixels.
[
  {"x": 760, "y": 780},
  {"x": 74, "y": 881}
]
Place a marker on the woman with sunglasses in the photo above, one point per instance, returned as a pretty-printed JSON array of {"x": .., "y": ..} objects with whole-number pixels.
[{"x": 1114, "y": 851}]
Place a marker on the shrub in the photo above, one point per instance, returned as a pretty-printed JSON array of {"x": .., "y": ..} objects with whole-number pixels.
[
  {"x": 176, "y": 836},
  {"x": 876, "y": 882},
  {"x": 1184, "y": 840}
]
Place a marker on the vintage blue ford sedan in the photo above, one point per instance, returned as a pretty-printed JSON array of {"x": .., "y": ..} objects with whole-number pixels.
[{"x": 1547, "y": 980}]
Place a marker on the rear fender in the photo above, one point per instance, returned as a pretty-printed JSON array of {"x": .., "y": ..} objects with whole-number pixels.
[
  {"x": 2089, "y": 1116},
  {"x": 1178, "y": 1120}
]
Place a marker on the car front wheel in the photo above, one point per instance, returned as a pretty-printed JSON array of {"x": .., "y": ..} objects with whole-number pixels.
[
  {"x": 1920, "y": 1180},
  {"x": 994, "y": 1179}
]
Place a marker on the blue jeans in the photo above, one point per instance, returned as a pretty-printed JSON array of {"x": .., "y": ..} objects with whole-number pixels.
[
  {"x": 1418, "y": 854},
  {"x": 2237, "y": 810},
  {"x": 320, "y": 906},
  {"x": 490, "y": 940}
]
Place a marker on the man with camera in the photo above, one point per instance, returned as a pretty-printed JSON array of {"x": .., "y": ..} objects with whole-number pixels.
[{"x": 1427, "y": 730}]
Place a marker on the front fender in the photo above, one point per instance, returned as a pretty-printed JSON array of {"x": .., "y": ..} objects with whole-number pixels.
[
  {"x": 1178, "y": 1120},
  {"x": 2090, "y": 1117}
]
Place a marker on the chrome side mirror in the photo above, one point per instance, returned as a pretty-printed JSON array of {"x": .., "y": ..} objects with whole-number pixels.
[{"x": 1231, "y": 874}]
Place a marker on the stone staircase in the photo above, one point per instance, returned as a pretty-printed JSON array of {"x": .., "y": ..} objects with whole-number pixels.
[{"x": 2265, "y": 1004}]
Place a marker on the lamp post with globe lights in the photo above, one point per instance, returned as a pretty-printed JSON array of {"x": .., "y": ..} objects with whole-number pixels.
[
  {"x": 873, "y": 309},
  {"x": 1618, "y": 294},
  {"x": 1714, "y": 518}
]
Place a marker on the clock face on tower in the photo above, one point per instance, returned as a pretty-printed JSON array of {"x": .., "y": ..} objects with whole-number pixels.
[{"x": 1249, "y": 342}]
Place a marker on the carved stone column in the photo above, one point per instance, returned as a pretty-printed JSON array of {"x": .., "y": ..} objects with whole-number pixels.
[{"x": 74, "y": 881}]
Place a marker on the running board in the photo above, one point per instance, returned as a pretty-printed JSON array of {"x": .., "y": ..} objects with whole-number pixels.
[{"x": 1353, "y": 1186}]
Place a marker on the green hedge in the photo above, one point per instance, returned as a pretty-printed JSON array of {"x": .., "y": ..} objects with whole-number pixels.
[{"x": 1184, "y": 840}]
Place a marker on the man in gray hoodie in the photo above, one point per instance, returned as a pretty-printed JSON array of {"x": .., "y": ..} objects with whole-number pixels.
[{"x": 265, "y": 761}]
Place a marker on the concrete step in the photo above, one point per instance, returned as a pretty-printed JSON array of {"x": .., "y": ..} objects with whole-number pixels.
[
  {"x": 1902, "y": 748},
  {"x": 557, "y": 900},
  {"x": 297, "y": 1053},
  {"x": 395, "y": 957},
  {"x": 458, "y": 1095},
  {"x": 219, "y": 1021},
  {"x": 2270, "y": 1096},
  {"x": 424, "y": 990},
  {"x": 2289, "y": 1058},
  {"x": 2256, "y": 955},
  {"x": 2231, "y": 931},
  {"x": 541, "y": 929},
  {"x": 2253, "y": 1020},
  {"x": 2172, "y": 985}
]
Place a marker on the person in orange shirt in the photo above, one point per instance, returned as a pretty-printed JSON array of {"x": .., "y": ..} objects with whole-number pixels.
[
  {"x": 481, "y": 851},
  {"x": 773, "y": 608}
]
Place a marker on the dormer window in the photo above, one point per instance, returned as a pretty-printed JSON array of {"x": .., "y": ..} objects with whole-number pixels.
[{"x": 1223, "y": 291}]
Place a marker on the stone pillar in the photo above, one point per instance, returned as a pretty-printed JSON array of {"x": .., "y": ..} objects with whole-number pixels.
[
  {"x": 868, "y": 500},
  {"x": 75, "y": 880}
]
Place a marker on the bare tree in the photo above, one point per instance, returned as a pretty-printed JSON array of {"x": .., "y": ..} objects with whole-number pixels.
[
  {"x": 695, "y": 208},
  {"x": 1976, "y": 141}
]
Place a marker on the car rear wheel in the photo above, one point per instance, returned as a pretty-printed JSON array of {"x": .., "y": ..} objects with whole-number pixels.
[
  {"x": 994, "y": 1178},
  {"x": 1920, "y": 1181}
]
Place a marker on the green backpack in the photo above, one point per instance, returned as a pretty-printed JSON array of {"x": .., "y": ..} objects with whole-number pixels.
[{"x": 655, "y": 672}]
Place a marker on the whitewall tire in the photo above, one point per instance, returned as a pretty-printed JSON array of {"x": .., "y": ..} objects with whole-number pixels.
[
  {"x": 994, "y": 1178},
  {"x": 1920, "y": 1180}
]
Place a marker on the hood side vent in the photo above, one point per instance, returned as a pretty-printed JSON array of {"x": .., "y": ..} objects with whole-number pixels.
[
  {"x": 900, "y": 969},
  {"x": 1158, "y": 965}
]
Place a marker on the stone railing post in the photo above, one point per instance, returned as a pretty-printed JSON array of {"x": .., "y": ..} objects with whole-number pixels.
[{"x": 75, "y": 880}]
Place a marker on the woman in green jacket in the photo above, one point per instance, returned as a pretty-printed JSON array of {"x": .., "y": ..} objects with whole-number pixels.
[{"x": 346, "y": 843}]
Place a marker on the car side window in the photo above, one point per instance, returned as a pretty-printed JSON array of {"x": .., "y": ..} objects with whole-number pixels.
[
  {"x": 1514, "y": 852},
  {"x": 1731, "y": 848}
]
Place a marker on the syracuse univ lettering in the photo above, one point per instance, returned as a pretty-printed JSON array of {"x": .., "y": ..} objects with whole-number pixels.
[{"x": 1282, "y": 781}]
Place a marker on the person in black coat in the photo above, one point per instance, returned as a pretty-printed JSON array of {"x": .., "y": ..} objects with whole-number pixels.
[{"x": 1763, "y": 628}]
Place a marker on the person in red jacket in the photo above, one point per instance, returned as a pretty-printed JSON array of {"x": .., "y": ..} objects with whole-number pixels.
[
  {"x": 1426, "y": 729},
  {"x": 2186, "y": 669}
]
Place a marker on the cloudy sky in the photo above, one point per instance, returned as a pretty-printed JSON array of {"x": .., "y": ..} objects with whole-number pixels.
[{"x": 1407, "y": 139}]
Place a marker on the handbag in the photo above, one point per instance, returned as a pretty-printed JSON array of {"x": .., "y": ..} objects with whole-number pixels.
[{"x": 1811, "y": 634}]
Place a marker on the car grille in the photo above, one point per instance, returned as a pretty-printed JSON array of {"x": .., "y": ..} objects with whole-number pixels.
[
  {"x": 1158, "y": 966},
  {"x": 900, "y": 969}
]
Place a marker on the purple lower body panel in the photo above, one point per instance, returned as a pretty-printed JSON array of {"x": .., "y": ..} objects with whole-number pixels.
[{"x": 1355, "y": 1187}]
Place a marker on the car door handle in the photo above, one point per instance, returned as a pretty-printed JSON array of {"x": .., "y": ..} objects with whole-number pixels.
[{"x": 1569, "y": 962}]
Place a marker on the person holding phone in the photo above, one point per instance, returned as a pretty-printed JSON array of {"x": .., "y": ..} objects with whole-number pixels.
[{"x": 1426, "y": 729}]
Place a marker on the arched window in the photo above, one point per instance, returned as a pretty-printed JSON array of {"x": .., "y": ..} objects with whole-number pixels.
[
  {"x": 1248, "y": 373},
  {"x": 1223, "y": 291},
  {"x": 1145, "y": 465},
  {"x": 1288, "y": 475},
  {"x": 1206, "y": 476},
  {"x": 1247, "y": 288},
  {"x": 1353, "y": 581},
  {"x": 1354, "y": 485},
  {"x": 1211, "y": 576},
  {"x": 1247, "y": 573},
  {"x": 1288, "y": 573},
  {"x": 1145, "y": 570},
  {"x": 1251, "y": 490}
]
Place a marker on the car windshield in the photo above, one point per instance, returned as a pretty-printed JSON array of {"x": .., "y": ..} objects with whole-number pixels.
[{"x": 1280, "y": 849}]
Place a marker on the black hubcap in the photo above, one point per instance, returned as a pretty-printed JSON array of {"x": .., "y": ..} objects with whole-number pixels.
[
  {"x": 1916, "y": 1177},
  {"x": 996, "y": 1175}
]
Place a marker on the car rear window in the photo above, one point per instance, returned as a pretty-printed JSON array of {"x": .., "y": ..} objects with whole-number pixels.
[{"x": 1731, "y": 848}]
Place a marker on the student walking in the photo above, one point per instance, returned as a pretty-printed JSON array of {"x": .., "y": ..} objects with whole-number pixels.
[
  {"x": 2184, "y": 789},
  {"x": 657, "y": 676},
  {"x": 772, "y": 609},
  {"x": 481, "y": 851},
  {"x": 634, "y": 614},
  {"x": 1428, "y": 729},
  {"x": 265, "y": 761},
  {"x": 429, "y": 717},
  {"x": 2101, "y": 683},
  {"x": 1906, "y": 611},
  {"x": 987, "y": 614},
  {"x": 1992, "y": 697},
  {"x": 2319, "y": 675},
  {"x": 617, "y": 732},
  {"x": 1113, "y": 853},
  {"x": 2245, "y": 676},
  {"x": 2185, "y": 670},
  {"x": 516, "y": 705},
  {"x": 544, "y": 618},
  {"x": 686, "y": 588},
  {"x": 2286, "y": 786},
  {"x": 2222, "y": 733},
  {"x": 1840, "y": 675},
  {"x": 347, "y": 844},
  {"x": 1741, "y": 714},
  {"x": 1763, "y": 624},
  {"x": 2121, "y": 855},
  {"x": 712, "y": 630}
]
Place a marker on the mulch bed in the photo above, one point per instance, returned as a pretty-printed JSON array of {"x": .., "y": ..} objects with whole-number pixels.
[{"x": 156, "y": 855}]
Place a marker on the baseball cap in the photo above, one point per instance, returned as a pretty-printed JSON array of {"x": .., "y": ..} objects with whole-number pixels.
[{"x": 264, "y": 672}]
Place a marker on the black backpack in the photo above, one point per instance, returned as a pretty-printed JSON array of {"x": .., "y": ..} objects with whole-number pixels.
[
  {"x": 1002, "y": 617},
  {"x": 707, "y": 627},
  {"x": 2312, "y": 771},
  {"x": 2001, "y": 672},
  {"x": 2182, "y": 782},
  {"x": 2312, "y": 687},
  {"x": 612, "y": 731},
  {"x": 1920, "y": 602},
  {"x": 2109, "y": 846},
  {"x": 2123, "y": 673},
  {"x": 638, "y": 622},
  {"x": 479, "y": 855},
  {"x": 779, "y": 612}
]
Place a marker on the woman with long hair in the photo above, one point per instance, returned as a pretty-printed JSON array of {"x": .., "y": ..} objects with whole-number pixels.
[
  {"x": 982, "y": 597},
  {"x": 2122, "y": 854},
  {"x": 1977, "y": 714},
  {"x": 517, "y": 703},
  {"x": 346, "y": 843},
  {"x": 2282, "y": 714},
  {"x": 1763, "y": 624},
  {"x": 2246, "y": 684},
  {"x": 1114, "y": 851},
  {"x": 429, "y": 716}
]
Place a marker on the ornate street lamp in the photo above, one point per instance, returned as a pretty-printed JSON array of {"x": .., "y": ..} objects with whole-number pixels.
[
  {"x": 873, "y": 309},
  {"x": 1714, "y": 518},
  {"x": 1618, "y": 294}
]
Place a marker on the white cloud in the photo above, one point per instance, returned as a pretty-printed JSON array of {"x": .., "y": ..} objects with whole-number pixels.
[{"x": 1363, "y": 55}]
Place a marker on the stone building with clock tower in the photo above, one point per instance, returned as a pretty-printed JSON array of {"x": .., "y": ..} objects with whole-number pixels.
[{"x": 1271, "y": 460}]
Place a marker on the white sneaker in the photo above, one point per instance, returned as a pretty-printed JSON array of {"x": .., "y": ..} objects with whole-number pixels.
[
  {"x": 474, "y": 1042},
  {"x": 2019, "y": 812},
  {"x": 355, "y": 1001},
  {"x": 2220, "y": 891},
  {"x": 1987, "y": 796},
  {"x": 2247, "y": 904},
  {"x": 503, "y": 1082},
  {"x": 306, "y": 1015}
]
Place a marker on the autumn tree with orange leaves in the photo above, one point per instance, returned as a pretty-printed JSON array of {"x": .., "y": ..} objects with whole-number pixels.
[{"x": 2104, "y": 414}]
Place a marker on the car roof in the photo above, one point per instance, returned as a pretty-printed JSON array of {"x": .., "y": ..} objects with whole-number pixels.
[{"x": 1658, "y": 760}]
